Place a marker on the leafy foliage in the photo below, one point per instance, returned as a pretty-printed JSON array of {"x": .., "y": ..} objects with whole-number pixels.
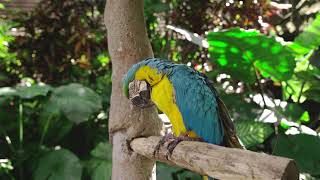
[
  {"x": 68, "y": 42},
  {"x": 253, "y": 133},
  {"x": 33, "y": 91},
  {"x": 7, "y": 58},
  {"x": 59, "y": 165},
  {"x": 100, "y": 164},
  {"x": 54, "y": 112},
  {"x": 295, "y": 113},
  {"x": 239, "y": 53},
  {"x": 5, "y": 39},
  {"x": 309, "y": 39},
  {"x": 303, "y": 148},
  {"x": 76, "y": 102}
]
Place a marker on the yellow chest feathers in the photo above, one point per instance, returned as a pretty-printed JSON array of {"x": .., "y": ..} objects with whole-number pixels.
[{"x": 162, "y": 95}]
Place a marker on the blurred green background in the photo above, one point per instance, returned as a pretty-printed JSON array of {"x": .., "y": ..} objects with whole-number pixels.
[{"x": 55, "y": 80}]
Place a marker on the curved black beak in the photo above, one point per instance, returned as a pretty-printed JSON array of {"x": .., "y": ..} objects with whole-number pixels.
[{"x": 140, "y": 94}]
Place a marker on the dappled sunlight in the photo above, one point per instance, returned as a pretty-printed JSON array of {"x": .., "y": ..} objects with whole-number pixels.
[{"x": 6, "y": 164}]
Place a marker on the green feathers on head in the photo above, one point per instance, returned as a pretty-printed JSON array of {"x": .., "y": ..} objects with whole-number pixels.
[{"x": 130, "y": 77}]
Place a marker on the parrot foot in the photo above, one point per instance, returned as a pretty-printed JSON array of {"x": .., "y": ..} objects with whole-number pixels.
[
  {"x": 162, "y": 141},
  {"x": 172, "y": 145}
]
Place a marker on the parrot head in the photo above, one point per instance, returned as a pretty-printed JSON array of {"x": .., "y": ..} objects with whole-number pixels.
[
  {"x": 139, "y": 80},
  {"x": 142, "y": 71}
]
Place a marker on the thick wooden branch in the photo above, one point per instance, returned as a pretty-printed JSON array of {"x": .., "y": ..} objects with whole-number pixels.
[{"x": 220, "y": 162}]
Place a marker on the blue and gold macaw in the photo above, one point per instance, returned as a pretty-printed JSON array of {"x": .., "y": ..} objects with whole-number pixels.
[{"x": 188, "y": 98}]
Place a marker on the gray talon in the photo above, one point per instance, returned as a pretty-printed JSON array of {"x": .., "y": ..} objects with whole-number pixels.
[{"x": 162, "y": 141}]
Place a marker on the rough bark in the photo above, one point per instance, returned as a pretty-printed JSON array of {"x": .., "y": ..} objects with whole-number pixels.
[
  {"x": 220, "y": 162},
  {"x": 128, "y": 43}
]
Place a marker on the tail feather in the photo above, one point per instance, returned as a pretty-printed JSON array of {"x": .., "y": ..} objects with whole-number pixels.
[{"x": 230, "y": 136}]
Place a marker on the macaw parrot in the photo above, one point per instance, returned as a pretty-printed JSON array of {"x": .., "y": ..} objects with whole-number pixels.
[{"x": 188, "y": 98}]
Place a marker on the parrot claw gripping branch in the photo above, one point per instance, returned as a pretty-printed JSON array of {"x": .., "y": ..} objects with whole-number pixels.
[{"x": 196, "y": 113}]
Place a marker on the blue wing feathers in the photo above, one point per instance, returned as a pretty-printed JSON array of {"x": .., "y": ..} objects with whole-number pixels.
[{"x": 197, "y": 104}]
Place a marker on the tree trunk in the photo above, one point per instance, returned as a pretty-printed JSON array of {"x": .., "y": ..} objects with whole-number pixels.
[{"x": 128, "y": 43}]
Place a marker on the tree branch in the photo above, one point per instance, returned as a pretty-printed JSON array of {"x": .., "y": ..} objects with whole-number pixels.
[{"x": 219, "y": 162}]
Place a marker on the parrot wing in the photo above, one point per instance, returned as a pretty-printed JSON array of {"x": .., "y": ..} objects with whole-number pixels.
[
  {"x": 230, "y": 136},
  {"x": 197, "y": 104}
]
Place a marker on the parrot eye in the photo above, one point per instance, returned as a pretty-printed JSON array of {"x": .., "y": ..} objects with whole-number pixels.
[{"x": 150, "y": 78}]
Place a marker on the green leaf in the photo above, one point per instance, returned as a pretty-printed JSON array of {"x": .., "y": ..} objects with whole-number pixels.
[
  {"x": 103, "y": 151},
  {"x": 304, "y": 149},
  {"x": 166, "y": 172},
  {"x": 99, "y": 167},
  {"x": 101, "y": 170},
  {"x": 285, "y": 124},
  {"x": 237, "y": 52},
  {"x": 50, "y": 110},
  {"x": 52, "y": 123},
  {"x": 309, "y": 39},
  {"x": 58, "y": 165},
  {"x": 33, "y": 91},
  {"x": 252, "y": 133},
  {"x": 103, "y": 59},
  {"x": 305, "y": 117},
  {"x": 26, "y": 92},
  {"x": 76, "y": 102},
  {"x": 292, "y": 88},
  {"x": 7, "y": 91}
]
